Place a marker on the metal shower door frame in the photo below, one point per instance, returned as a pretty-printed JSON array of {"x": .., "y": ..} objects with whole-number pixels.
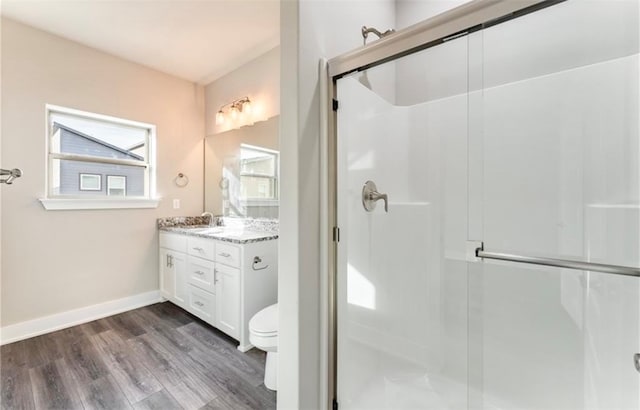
[{"x": 468, "y": 18}]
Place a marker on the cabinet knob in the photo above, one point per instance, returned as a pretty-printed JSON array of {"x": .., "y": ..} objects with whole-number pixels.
[
  {"x": 224, "y": 254},
  {"x": 199, "y": 303}
]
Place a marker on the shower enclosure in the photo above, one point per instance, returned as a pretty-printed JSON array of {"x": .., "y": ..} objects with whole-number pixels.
[{"x": 502, "y": 127}]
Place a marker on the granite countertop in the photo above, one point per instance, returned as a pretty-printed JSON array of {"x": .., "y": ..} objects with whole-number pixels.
[{"x": 235, "y": 231}]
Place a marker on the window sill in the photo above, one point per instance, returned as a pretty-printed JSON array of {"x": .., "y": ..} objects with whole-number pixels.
[
  {"x": 61, "y": 204},
  {"x": 259, "y": 202}
]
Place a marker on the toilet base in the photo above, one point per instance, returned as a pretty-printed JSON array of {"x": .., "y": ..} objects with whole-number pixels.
[{"x": 271, "y": 371}]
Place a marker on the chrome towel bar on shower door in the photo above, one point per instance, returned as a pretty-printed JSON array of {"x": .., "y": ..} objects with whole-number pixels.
[{"x": 559, "y": 263}]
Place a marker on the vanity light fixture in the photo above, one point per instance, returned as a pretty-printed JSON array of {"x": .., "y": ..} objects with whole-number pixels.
[{"x": 236, "y": 109}]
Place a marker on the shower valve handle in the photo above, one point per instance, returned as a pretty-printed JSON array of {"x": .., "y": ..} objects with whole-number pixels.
[
  {"x": 376, "y": 196},
  {"x": 370, "y": 196}
]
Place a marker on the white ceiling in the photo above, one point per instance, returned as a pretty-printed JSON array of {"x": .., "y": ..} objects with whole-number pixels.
[{"x": 199, "y": 40}]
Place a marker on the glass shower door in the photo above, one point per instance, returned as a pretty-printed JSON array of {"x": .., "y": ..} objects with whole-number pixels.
[
  {"x": 520, "y": 138},
  {"x": 402, "y": 275},
  {"x": 558, "y": 153}
]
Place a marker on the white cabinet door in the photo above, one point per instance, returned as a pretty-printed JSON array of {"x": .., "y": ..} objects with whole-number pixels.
[
  {"x": 173, "y": 283},
  {"x": 179, "y": 263},
  {"x": 228, "y": 299},
  {"x": 167, "y": 275}
]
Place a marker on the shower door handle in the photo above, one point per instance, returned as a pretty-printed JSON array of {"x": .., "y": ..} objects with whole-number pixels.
[{"x": 370, "y": 196}]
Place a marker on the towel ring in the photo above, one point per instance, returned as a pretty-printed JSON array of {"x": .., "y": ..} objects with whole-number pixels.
[
  {"x": 181, "y": 180},
  {"x": 257, "y": 260}
]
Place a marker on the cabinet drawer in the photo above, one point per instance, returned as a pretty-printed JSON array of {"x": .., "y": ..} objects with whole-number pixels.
[
  {"x": 201, "y": 273},
  {"x": 202, "y": 304},
  {"x": 201, "y": 247},
  {"x": 228, "y": 254},
  {"x": 173, "y": 242}
]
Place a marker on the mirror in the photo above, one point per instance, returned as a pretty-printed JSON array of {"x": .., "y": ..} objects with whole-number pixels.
[{"x": 242, "y": 171}]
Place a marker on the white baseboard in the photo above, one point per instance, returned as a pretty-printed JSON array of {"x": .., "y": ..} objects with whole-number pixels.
[
  {"x": 245, "y": 348},
  {"x": 47, "y": 324}
]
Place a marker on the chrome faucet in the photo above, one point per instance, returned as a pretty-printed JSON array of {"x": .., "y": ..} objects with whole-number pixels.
[
  {"x": 210, "y": 216},
  {"x": 214, "y": 220}
]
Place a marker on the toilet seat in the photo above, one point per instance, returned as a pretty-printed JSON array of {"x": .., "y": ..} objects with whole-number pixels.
[
  {"x": 264, "y": 334},
  {"x": 265, "y": 322}
]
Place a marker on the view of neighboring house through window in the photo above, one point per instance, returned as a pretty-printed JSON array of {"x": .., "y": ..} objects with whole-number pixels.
[
  {"x": 258, "y": 173},
  {"x": 90, "y": 182},
  {"x": 95, "y": 156},
  {"x": 116, "y": 185}
]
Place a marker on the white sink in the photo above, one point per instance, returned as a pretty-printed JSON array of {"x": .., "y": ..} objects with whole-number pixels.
[{"x": 210, "y": 230}]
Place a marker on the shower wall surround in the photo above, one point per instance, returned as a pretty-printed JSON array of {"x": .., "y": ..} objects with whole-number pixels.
[{"x": 524, "y": 136}]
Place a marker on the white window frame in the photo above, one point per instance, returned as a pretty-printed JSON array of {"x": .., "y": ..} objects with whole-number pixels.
[
  {"x": 83, "y": 188},
  {"x": 64, "y": 202},
  {"x": 276, "y": 177},
  {"x": 124, "y": 186}
]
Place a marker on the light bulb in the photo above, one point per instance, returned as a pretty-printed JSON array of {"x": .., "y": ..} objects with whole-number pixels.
[
  {"x": 234, "y": 112},
  {"x": 246, "y": 107},
  {"x": 219, "y": 118}
]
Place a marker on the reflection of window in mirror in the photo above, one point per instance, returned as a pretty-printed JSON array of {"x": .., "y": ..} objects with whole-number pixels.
[{"x": 258, "y": 173}]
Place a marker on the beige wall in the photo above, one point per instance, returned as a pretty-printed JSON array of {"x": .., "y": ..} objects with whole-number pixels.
[
  {"x": 259, "y": 79},
  {"x": 54, "y": 261}
]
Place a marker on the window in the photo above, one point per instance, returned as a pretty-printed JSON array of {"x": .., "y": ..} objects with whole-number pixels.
[
  {"x": 90, "y": 182},
  {"x": 91, "y": 148},
  {"x": 258, "y": 173},
  {"x": 116, "y": 185}
]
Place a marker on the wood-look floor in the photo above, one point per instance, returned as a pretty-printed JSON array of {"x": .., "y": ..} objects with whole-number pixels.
[{"x": 155, "y": 357}]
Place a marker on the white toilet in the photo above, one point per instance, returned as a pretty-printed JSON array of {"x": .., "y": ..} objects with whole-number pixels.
[{"x": 263, "y": 334}]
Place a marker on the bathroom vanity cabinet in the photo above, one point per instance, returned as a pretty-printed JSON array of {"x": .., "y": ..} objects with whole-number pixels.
[{"x": 221, "y": 282}]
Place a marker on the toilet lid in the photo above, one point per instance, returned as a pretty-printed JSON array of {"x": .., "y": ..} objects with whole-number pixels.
[{"x": 265, "y": 321}]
